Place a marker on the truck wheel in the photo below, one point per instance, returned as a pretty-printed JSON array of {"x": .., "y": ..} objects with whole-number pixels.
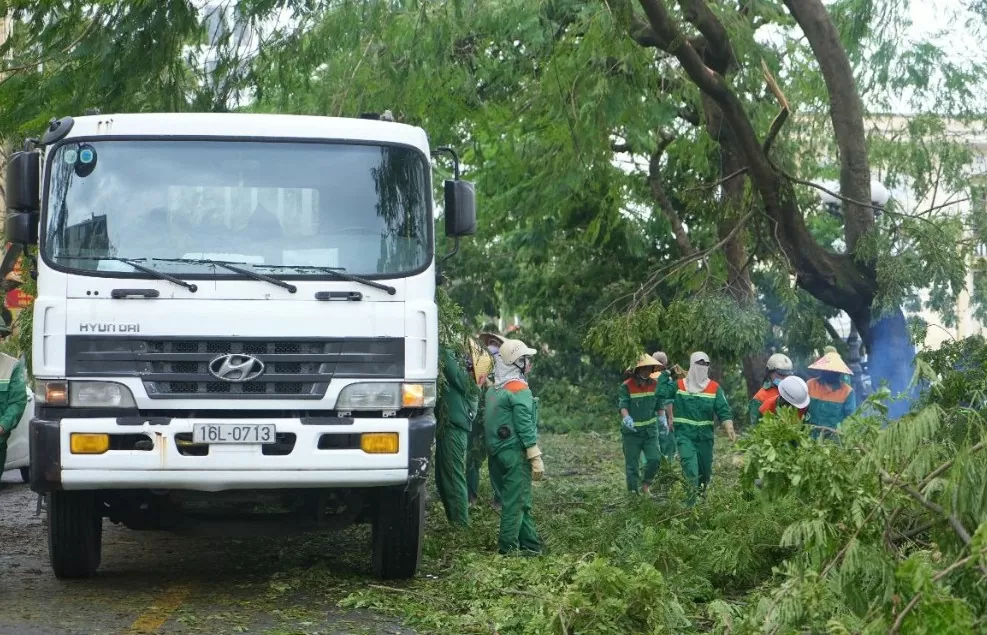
[
  {"x": 75, "y": 534},
  {"x": 26, "y": 474},
  {"x": 398, "y": 531}
]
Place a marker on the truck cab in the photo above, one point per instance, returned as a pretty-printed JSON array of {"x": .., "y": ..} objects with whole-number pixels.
[{"x": 235, "y": 328}]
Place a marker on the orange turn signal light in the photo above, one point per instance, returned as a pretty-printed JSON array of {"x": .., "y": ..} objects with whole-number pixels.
[
  {"x": 83, "y": 443},
  {"x": 379, "y": 442}
]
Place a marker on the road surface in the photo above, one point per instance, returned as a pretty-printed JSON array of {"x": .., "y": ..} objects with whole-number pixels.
[{"x": 152, "y": 582}]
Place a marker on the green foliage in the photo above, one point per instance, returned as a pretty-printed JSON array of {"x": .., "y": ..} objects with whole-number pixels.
[
  {"x": 714, "y": 324},
  {"x": 616, "y": 564}
]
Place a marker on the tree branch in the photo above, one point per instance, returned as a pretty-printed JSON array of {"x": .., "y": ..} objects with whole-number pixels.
[
  {"x": 846, "y": 112},
  {"x": 834, "y": 279},
  {"x": 698, "y": 13},
  {"x": 719, "y": 182},
  {"x": 935, "y": 508},
  {"x": 661, "y": 196},
  {"x": 11, "y": 71},
  {"x": 948, "y": 464},
  {"x": 781, "y": 117}
]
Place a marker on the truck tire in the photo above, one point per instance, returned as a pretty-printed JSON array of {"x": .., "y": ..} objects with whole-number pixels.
[
  {"x": 398, "y": 532},
  {"x": 75, "y": 534}
]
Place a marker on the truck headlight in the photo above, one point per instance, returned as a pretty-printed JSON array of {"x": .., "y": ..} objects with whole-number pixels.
[
  {"x": 385, "y": 396},
  {"x": 100, "y": 394},
  {"x": 83, "y": 394}
]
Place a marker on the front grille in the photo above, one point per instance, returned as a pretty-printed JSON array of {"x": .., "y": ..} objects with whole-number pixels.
[{"x": 178, "y": 368}]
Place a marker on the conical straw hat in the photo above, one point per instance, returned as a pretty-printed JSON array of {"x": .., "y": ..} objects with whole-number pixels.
[
  {"x": 482, "y": 361},
  {"x": 833, "y": 363},
  {"x": 644, "y": 361}
]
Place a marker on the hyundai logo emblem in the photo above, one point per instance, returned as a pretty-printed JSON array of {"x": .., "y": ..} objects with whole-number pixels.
[{"x": 236, "y": 369}]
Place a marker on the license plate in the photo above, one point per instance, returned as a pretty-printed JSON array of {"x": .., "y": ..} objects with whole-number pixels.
[{"x": 233, "y": 433}]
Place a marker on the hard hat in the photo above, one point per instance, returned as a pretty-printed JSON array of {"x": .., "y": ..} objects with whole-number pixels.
[
  {"x": 645, "y": 361},
  {"x": 513, "y": 350},
  {"x": 661, "y": 357},
  {"x": 833, "y": 363},
  {"x": 482, "y": 361},
  {"x": 780, "y": 363},
  {"x": 794, "y": 391}
]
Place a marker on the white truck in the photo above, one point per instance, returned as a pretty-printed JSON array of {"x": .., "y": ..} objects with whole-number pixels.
[{"x": 235, "y": 327}]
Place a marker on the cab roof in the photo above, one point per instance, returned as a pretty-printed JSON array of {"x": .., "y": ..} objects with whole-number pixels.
[{"x": 247, "y": 125}]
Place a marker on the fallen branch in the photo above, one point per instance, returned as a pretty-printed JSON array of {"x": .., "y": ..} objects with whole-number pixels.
[
  {"x": 935, "y": 508},
  {"x": 948, "y": 464},
  {"x": 901, "y": 616},
  {"x": 896, "y": 627}
]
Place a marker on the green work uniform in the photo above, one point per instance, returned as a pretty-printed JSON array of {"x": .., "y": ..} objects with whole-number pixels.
[
  {"x": 453, "y": 438},
  {"x": 13, "y": 400},
  {"x": 666, "y": 437},
  {"x": 511, "y": 427},
  {"x": 639, "y": 399},
  {"x": 694, "y": 413},
  {"x": 477, "y": 455}
]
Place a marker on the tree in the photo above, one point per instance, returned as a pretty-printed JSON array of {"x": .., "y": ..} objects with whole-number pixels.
[{"x": 628, "y": 177}]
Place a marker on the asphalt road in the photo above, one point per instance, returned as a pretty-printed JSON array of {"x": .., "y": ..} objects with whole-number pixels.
[{"x": 152, "y": 582}]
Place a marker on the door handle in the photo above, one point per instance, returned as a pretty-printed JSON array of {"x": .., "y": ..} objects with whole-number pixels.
[
  {"x": 118, "y": 294},
  {"x": 348, "y": 296}
]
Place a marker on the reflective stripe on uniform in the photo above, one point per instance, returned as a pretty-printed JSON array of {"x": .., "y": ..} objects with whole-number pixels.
[
  {"x": 692, "y": 422},
  {"x": 703, "y": 395}
]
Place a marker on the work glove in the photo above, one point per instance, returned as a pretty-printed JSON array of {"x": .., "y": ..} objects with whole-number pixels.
[
  {"x": 628, "y": 422},
  {"x": 728, "y": 426},
  {"x": 663, "y": 420},
  {"x": 537, "y": 465}
]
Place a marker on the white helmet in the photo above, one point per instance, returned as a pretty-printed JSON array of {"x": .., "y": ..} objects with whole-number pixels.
[
  {"x": 513, "y": 350},
  {"x": 794, "y": 391},
  {"x": 780, "y": 363}
]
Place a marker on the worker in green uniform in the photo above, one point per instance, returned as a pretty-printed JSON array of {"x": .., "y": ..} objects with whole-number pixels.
[
  {"x": 638, "y": 408},
  {"x": 511, "y": 426},
  {"x": 13, "y": 400},
  {"x": 477, "y": 445},
  {"x": 698, "y": 400},
  {"x": 666, "y": 426},
  {"x": 458, "y": 406}
]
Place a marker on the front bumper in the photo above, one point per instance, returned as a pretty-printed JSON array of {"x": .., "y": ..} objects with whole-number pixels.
[{"x": 228, "y": 467}]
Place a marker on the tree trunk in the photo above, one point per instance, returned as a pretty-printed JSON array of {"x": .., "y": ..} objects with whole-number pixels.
[
  {"x": 846, "y": 114},
  {"x": 739, "y": 284}
]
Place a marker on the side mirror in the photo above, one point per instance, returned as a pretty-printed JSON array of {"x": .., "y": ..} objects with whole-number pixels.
[
  {"x": 23, "y": 192},
  {"x": 22, "y": 228},
  {"x": 460, "y": 208}
]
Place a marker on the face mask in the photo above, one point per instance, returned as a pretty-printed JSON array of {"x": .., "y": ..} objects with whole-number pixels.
[
  {"x": 643, "y": 376},
  {"x": 702, "y": 372},
  {"x": 776, "y": 381}
]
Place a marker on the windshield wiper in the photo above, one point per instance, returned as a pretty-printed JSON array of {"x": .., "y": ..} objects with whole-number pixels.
[
  {"x": 339, "y": 273},
  {"x": 135, "y": 263},
  {"x": 234, "y": 268}
]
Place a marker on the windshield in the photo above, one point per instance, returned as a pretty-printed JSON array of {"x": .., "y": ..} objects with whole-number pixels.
[{"x": 172, "y": 205}]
